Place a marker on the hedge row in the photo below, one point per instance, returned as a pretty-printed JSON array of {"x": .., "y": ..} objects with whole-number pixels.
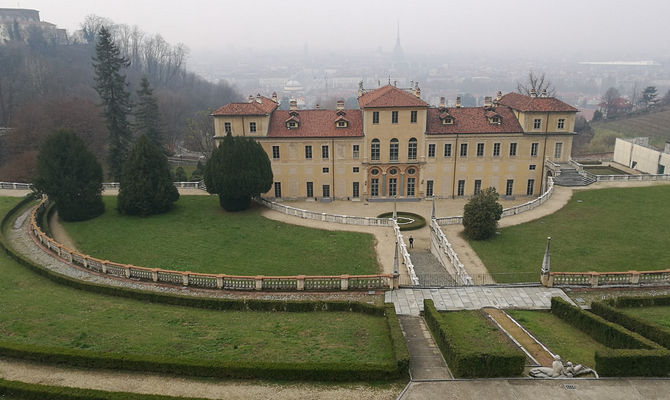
[
  {"x": 400, "y": 350},
  {"x": 470, "y": 362},
  {"x": 651, "y": 331},
  {"x": 620, "y": 362},
  {"x": 29, "y": 391},
  {"x": 642, "y": 301},
  {"x": 601, "y": 330}
]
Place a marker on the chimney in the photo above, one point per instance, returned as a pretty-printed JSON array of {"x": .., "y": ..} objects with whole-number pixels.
[
  {"x": 293, "y": 105},
  {"x": 533, "y": 93},
  {"x": 340, "y": 105},
  {"x": 458, "y": 102},
  {"x": 544, "y": 93},
  {"x": 498, "y": 96},
  {"x": 258, "y": 98},
  {"x": 442, "y": 102},
  {"x": 417, "y": 92},
  {"x": 251, "y": 98},
  {"x": 360, "y": 88},
  {"x": 667, "y": 148},
  {"x": 317, "y": 106},
  {"x": 487, "y": 102},
  {"x": 274, "y": 97}
]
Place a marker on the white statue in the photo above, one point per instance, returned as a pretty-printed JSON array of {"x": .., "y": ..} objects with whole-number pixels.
[{"x": 560, "y": 370}]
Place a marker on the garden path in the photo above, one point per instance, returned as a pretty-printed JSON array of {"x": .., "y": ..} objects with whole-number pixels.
[{"x": 425, "y": 359}]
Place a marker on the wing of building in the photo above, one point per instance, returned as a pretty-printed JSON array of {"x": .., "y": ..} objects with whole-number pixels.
[{"x": 396, "y": 145}]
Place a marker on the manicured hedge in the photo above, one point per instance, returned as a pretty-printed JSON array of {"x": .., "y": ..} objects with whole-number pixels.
[
  {"x": 400, "y": 350},
  {"x": 29, "y": 391},
  {"x": 471, "y": 362},
  {"x": 601, "y": 330},
  {"x": 619, "y": 362},
  {"x": 651, "y": 331},
  {"x": 642, "y": 301}
]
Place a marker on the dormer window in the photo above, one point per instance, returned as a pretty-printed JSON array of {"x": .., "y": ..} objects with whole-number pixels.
[
  {"x": 448, "y": 121},
  {"x": 341, "y": 124},
  {"x": 293, "y": 122},
  {"x": 496, "y": 120},
  {"x": 493, "y": 117}
]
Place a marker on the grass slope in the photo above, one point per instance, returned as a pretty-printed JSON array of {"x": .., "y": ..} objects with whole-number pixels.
[
  {"x": 199, "y": 236},
  {"x": 659, "y": 315},
  {"x": 609, "y": 230},
  {"x": 654, "y": 125},
  {"x": 37, "y": 311}
]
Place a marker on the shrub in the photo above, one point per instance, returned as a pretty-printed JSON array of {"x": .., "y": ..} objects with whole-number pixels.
[
  {"x": 481, "y": 215},
  {"x": 639, "y": 301},
  {"x": 146, "y": 187},
  {"x": 400, "y": 351},
  {"x": 71, "y": 176},
  {"x": 418, "y": 223},
  {"x": 180, "y": 175},
  {"x": 651, "y": 331},
  {"x": 620, "y": 362}
]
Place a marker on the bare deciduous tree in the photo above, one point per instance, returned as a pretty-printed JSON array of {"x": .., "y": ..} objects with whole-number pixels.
[{"x": 538, "y": 83}]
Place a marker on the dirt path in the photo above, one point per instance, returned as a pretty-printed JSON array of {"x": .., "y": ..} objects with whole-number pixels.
[{"x": 189, "y": 387}]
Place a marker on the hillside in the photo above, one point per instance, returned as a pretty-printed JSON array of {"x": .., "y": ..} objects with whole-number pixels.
[{"x": 655, "y": 125}]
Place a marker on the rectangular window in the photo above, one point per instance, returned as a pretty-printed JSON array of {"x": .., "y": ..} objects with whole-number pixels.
[
  {"x": 394, "y": 117},
  {"x": 374, "y": 150},
  {"x": 558, "y": 150},
  {"x": 375, "y": 117},
  {"x": 324, "y": 152},
  {"x": 411, "y": 149},
  {"x": 561, "y": 123},
  {"x": 533, "y": 149},
  {"x": 532, "y": 167},
  {"x": 496, "y": 149},
  {"x": 252, "y": 127},
  {"x": 512, "y": 149},
  {"x": 308, "y": 152},
  {"x": 478, "y": 186},
  {"x": 277, "y": 190},
  {"x": 275, "y": 152},
  {"x": 429, "y": 188},
  {"x": 509, "y": 187},
  {"x": 356, "y": 190},
  {"x": 326, "y": 190},
  {"x": 356, "y": 151},
  {"x": 431, "y": 150},
  {"x": 447, "y": 149},
  {"x": 325, "y": 170},
  {"x": 411, "y": 183},
  {"x": 537, "y": 123},
  {"x": 461, "y": 187},
  {"x": 374, "y": 187},
  {"x": 464, "y": 149},
  {"x": 227, "y": 127},
  {"x": 413, "y": 117},
  {"x": 393, "y": 186},
  {"x": 530, "y": 187},
  {"x": 393, "y": 150},
  {"x": 310, "y": 189},
  {"x": 480, "y": 149},
  {"x": 356, "y": 169}
]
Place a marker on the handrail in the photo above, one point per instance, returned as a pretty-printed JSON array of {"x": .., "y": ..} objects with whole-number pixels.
[
  {"x": 462, "y": 275},
  {"x": 319, "y": 216},
  {"x": 407, "y": 260}
]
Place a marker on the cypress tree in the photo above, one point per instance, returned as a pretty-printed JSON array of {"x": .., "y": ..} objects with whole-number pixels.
[
  {"x": 112, "y": 87},
  {"x": 238, "y": 170},
  {"x": 147, "y": 115},
  {"x": 146, "y": 185},
  {"x": 71, "y": 176}
]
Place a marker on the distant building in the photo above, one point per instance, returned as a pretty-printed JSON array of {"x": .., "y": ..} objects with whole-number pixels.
[
  {"x": 396, "y": 145},
  {"x": 639, "y": 155},
  {"x": 20, "y": 24}
]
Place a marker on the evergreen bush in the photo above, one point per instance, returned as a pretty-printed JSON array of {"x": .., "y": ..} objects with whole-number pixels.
[{"x": 481, "y": 215}]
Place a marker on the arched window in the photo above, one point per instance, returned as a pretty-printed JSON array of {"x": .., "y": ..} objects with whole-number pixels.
[
  {"x": 393, "y": 150},
  {"x": 374, "y": 150},
  {"x": 411, "y": 149}
]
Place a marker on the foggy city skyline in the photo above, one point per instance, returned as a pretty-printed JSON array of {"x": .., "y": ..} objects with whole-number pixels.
[{"x": 594, "y": 30}]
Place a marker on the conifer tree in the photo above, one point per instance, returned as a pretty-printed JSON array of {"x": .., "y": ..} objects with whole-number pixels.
[
  {"x": 146, "y": 185},
  {"x": 71, "y": 176},
  {"x": 112, "y": 87},
  {"x": 238, "y": 170},
  {"x": 147, "y": 116},
  {"x": 481, "y": 215}
]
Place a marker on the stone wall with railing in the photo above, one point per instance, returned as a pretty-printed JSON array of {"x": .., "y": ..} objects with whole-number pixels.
[
  {"x": 16, "y": 185},
  {"x": 521, "y": 208},
  {"x": 596, "y": 279},
  {"x": 207, "y": 281},
  {"x": 407, "y": 260},
  {"x": 109, "y": 185},
  {"x": 445, "y": 254},
  {"x": 325, "y": 217}
]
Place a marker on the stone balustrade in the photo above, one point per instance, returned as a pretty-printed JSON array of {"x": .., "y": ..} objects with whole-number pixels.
[
  {"x": 632, "y": 178},
  {"x": 208, "y": 281},
  {"x": 445, "y": 254},
  {"x": 596, "y": 279},
  {"x": 16, "y": 185},
  {"x": 109, "y": 185},
  {"x": 325, "y": 217},
  {"x": 407, "y": 260}
]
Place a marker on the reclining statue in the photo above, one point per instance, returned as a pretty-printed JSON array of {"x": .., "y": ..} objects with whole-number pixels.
[{"x": 560, "y": 370}]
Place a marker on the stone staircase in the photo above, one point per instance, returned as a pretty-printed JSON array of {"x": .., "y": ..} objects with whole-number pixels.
[
  {"x": 429, "y": 270},
  {"x": 570, "y": 177}
]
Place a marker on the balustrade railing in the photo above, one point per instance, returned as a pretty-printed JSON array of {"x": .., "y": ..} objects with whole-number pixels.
[
  {"x": 318, "y": 216},
  {"x": 16, "y": 185},
  {"x": 207, "y": 281},
  {"x": 407, "y": 260},
  {"x": 596, "y": 279},
  {"x": 444, "y": 248}
]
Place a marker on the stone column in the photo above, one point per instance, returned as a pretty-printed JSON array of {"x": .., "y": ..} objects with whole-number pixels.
[
  {"x": 344, "y": 282},
  {"x": 544, "y": 273},
  {"x": 300, "y": 282},
  {"x": 259, "y": 282},
  {"x": 383, "y": 179}
]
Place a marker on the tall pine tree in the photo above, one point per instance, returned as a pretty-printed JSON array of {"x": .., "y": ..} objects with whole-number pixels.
[
  {"x": 112, "y": 87},
  {"x": 147, "y": 116}
]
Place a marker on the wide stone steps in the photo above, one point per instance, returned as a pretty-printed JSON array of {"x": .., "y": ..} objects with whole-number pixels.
[{"x": 570, "y": 177}]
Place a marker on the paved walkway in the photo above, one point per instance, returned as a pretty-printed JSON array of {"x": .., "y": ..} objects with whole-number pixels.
[
  {"x": 429, "y": 270},
  {"x": 410, "y": 301},
  {"x": 425, "y": 359}
]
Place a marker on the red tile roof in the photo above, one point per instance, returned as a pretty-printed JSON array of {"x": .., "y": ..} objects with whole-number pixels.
[
  {"x": 524, "y": 103},
  {"x": 266, "y": 106},
  {"x": 316, "y": 123},
  {"x": 472, "y": 120},
  {"x": 390, "y": 96}
]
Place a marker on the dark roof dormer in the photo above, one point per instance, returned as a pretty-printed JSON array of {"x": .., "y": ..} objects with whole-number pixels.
[
  {"x": 340, "y": 121},
  {"x": 293, "y": 121},
  {"x": 445, "y": 116},
  {"x": 493, "y": 117}
]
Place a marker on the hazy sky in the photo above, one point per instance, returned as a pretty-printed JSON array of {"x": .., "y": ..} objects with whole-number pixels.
[{"x": 622, "y": 29}]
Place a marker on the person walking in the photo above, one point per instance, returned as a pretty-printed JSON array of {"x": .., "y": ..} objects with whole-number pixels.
[{"x": 411, "y": 242}]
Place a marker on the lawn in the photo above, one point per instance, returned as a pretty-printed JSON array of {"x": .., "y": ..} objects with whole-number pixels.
[
  {"x": 199, "y": 236},
  {"x": 475, "y": 331},
  {"x": 38, "y": 311},
  {"x": 561, "y": 338},
  {"x": 604, "y": 170},
  {"x": 658, "y": 315},
  {"x": 598, "y": 230}
]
